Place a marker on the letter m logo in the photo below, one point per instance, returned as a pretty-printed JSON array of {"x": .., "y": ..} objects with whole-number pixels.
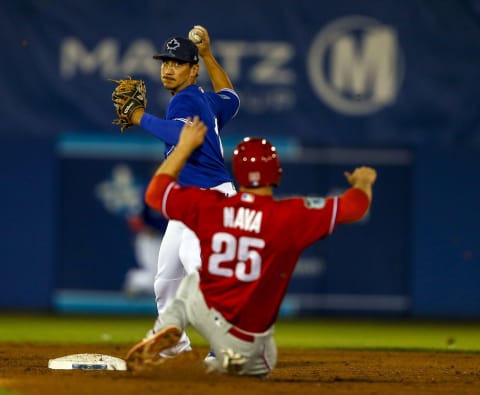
[
  {"x": 355, "y": 65},
  {"x": 366, "y": 65}
]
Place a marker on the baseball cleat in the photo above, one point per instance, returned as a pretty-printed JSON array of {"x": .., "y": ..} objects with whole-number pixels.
[{"x": 148, "y": 350}]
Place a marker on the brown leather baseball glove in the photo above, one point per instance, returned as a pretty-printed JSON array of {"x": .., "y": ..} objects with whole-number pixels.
[{"x": 127, "y": 97}]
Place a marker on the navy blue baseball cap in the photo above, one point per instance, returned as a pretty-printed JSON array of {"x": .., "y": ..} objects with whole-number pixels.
[{"x": 179, "y": 48}]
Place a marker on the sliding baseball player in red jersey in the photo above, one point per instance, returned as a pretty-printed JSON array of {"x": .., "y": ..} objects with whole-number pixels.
[{"x": 250, "y": 244}]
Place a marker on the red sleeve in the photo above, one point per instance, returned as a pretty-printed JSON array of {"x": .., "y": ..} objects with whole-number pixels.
[
  {"x": 154, "y": 196},
  {"x": 352, "y": 206}
]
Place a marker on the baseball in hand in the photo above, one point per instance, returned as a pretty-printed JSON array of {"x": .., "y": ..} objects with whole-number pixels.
[{"x": 195, "y": 35}]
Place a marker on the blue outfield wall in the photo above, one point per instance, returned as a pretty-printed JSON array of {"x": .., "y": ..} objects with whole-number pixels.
[
  {"x": 28, "y": 199},
  {"x": 446, "y": 236},
  {"x": 98, "y": 187},
  {"x": 415, "y": 254}
]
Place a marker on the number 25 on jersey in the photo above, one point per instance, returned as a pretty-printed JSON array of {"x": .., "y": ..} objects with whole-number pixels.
[{"x": 226, "y": 248}]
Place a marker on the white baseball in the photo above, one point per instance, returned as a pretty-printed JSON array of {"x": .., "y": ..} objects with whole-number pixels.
[{"x": 194, "y": 36}]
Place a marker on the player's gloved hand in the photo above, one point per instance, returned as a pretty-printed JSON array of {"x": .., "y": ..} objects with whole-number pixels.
[{"x": 128, "y": 96}]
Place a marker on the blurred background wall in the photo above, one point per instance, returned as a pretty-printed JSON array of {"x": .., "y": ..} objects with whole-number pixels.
[{"x": 388, "y": 84}]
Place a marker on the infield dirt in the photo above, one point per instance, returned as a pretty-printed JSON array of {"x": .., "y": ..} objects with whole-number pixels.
[{"x": 23, "y": 370}]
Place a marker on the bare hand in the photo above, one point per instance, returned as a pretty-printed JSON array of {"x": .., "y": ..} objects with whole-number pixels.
[
  {"x": 192, "y": 133},
  {"x": 137, "y": 115},
  {"x": 204, "y": 45}
]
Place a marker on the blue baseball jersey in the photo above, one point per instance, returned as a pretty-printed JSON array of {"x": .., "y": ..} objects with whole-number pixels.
[{"x": 205, "y": 168}]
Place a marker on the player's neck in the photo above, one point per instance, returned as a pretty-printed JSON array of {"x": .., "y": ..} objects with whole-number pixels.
[
  {"x": 262, "y": 191},
  {"x": 180, "y": 88}
]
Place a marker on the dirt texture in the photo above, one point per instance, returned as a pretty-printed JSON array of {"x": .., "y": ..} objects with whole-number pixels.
[{"x": 23, "y": 369}]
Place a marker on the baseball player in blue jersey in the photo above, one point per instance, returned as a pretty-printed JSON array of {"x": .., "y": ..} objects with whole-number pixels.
[{"x": 180, "y": 250}]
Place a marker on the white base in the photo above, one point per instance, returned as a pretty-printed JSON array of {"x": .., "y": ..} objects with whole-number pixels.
[{"x": 87, "y": 362}]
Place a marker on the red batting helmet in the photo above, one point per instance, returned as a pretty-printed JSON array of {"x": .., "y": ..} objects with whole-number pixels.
[{"x": 256, "y": 163}]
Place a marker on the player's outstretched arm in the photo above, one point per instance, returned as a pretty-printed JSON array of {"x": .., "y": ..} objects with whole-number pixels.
[
  {"x": 362, "y": 178},
  {"x": 217, "y": 74},
  {"x": 355, "y": 202},
  {"x": 191, "y": 137},
  {"x": 165, "y": 129}
]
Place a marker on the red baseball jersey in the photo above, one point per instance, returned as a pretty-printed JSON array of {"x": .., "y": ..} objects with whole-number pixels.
[{"x": 250, "y": 244}]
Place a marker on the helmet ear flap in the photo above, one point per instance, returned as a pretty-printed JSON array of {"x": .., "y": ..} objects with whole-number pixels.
[{"x": 256, "y": 163}]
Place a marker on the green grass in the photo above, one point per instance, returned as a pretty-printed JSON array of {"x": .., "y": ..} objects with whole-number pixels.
[
  {"x": 72, "y": 329},
  {"x": 6, "y": 391},
  {"x": 314, "y": 333},
  {"x": 380, "y": 334}
]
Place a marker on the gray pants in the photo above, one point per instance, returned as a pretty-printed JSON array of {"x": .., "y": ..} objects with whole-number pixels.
[{"x": 189, "y": 307}]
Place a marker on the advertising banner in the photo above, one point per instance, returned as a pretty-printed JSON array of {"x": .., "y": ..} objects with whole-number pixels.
[{"x": 346, "y": 73}]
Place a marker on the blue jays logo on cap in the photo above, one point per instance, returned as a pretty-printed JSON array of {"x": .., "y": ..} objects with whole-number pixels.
[
  {"x": 180, "y": 49},
  {"x": 172, "y": 45}
]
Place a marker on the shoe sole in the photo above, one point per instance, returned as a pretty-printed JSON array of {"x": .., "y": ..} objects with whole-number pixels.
[{"x": 148, "y": 350}]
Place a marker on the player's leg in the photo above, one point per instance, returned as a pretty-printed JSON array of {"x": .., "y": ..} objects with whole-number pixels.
[
  {"x": 170, "y": 273},
  {"x": 148, "y": 351},
  {"x": 253, "y": 354},
  {"x": 189, "y": 251},
  {"x": 171, "y": 325},
  {"x": 249, "y": 354},
  {"x": 176, "y": 313},
  {"x": 190, "y": 248},
  {"x": 148, "y": 252}
]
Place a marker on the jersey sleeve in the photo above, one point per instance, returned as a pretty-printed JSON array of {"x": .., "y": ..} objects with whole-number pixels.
[
  {"x": 315, "y": 219},
  {"x": 174, "y": 201},
  {"x": 320, "y": 216},
  {"x": 353, "y": 205},
  {"x": 225, "y": 103},
  {"x": 156, "y": 191},
  {"x": 166, "y": 130}
]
